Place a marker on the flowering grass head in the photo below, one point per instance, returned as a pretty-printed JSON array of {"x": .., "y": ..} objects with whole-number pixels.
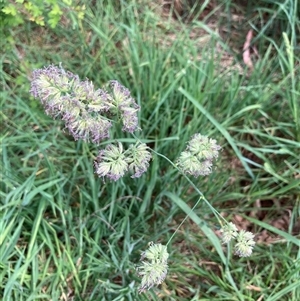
[
  {"x": 154, "y": 267},
  {"x": 244, "y": 240},
  {"x": 124, "y": 106},
  {"x": 114, "y": 161},
  {"x": 245, "y": 244},
  {"x": 111, "y": 162},
  {"x": 52, "y": 86},
  {"x": 76, "y": 102},
  {"x": 138, "y": 159},
  {"x": 86, "y": 111},
  {"x": 229, "y": 232},
  {"x": 198, "y": 156}
]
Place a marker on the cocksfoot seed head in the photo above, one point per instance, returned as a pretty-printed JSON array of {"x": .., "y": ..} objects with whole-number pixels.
[
  {"x": 197, "y": 158},
  {"x": 245, "y": 244},
  {"x": 229, "y": 232},
  {"x": 154, "y": 267}
]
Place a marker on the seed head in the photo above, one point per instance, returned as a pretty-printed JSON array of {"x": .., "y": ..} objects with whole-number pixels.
[
  {"x": 229, "y": 232},
  {"x": 138, "y": 159},
  {"x": 245, "y": 243},
  {"x": 154, "y": 270},
  {"x": 111, "y": 162},
  {"x": 76, "y": 102},
  {"x": 198, "y": 155},
  {"x": 125, "y": 106}
]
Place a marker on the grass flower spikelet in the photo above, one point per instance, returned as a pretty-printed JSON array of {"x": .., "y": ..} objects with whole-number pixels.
[
  {"x": 229, "y": 232},
  {"x": 156, "y": 252},
  {"x": 198, "y": 156},
  {"x": 154, "y": 267},
  {"x": 111, "y": 162},
  {"x": 138, "y": 159},
  {"x": 245, "y": 243},
  {"x": 203, "y": 147},
  {"x": 114, "y": 161},
  {"x": 76, "y": 102},
  {"x": 125, "y": 106},
  {"x": 52, "y": 85}
]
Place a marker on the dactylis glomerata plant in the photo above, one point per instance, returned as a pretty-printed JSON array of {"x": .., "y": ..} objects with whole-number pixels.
[{"x": 90, "y": 113}]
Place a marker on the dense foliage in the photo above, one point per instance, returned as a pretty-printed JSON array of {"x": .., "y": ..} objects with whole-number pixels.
[{"x": 65, "y": 234}]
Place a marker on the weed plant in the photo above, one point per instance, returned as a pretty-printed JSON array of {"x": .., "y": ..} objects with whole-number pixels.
[{"x": 68, "y": 235}]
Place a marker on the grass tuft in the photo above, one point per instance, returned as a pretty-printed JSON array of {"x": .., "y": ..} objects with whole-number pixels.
[{"x": 67, "y": 235}]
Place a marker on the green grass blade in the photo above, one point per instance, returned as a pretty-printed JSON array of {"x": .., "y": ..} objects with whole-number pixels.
[{"x": 202, "y": 225}]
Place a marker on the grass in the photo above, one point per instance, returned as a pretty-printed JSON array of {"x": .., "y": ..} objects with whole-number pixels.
[{"x": 67, "y": 235}]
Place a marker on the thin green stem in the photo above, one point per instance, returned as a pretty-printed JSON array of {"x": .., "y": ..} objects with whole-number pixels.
[
  {"x": 214, "y": 211},
  {"x": 289, "y": 44},
  {"x": 184, "y": 220}
]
